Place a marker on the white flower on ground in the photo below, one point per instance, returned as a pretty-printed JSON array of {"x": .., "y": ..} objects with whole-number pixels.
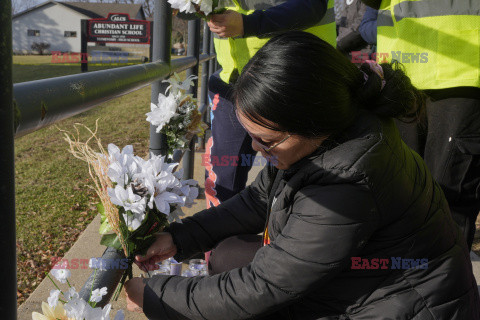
[
  {"x": 71, "y": 294},
  {"x": 76, "y": 308},
  {"x": 50, "y": 313},
  {"x": 127, "y": 199},
  {"x": 98, "y": 294},
  {"x": 162, "y": 112},
  {"x": 53, "y": 298},
  {"x": 61, "y": 274},
  {"x": 177, "y": 86}
]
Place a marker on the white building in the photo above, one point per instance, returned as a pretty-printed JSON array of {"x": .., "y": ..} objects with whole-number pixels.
[{"x": 58, "y": 23}]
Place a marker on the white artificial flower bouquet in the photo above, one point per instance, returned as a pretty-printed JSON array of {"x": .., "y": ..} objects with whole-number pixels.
[
  {"x": 176, "y": 114},
  {"x": 67, "y": 305},
  {"x": 138, "y": 197},
  {"x": 202, "y": 8}
]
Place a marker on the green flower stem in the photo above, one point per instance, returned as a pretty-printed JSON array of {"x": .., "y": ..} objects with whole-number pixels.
[
  {"x": 56, "y": 286},
  {"x": 69, "y": 285},
  {"x": 91, "y": 289}
]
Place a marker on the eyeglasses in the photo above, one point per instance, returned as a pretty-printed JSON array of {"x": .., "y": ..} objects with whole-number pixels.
[{"x": 266, "y": 148}]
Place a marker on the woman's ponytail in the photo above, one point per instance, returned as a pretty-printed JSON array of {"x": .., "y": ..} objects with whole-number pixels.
[{"x": 396, "y": 98}]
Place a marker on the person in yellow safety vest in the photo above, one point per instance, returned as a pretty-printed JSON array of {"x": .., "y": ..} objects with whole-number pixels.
[
  {"x": 438, "y": 43},
  {"x": 239, "y": 33}
]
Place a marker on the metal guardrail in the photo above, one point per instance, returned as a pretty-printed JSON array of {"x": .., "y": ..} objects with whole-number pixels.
[{"x": 30, "y": 106}]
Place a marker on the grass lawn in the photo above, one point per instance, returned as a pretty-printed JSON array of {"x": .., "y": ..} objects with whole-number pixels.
[
  {"x": 29, "y": 68},
  {"x": 54, "y": 203}
]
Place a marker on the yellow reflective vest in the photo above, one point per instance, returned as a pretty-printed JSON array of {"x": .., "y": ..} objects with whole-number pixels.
[
  {"x": 234, "y": 53},
  {"x": 437, "y": 41}
]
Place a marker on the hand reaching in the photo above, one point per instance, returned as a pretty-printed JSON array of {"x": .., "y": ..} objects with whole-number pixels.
[
  {"x": 228, "y": 24},
  {"x": 162, "y": 249}
]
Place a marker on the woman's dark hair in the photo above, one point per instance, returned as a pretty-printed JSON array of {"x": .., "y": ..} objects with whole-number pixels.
[{"x": 301, "y": 84}]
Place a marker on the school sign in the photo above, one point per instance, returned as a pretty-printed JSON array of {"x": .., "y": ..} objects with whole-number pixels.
[{"x": 119, "y": 28}]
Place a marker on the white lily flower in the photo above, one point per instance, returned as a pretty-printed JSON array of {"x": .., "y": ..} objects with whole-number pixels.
[
  {"x": 71, "y": 294},
  {"x": 164, "y": 199},
  {"x": 177, "y": 86},
  {"x": 53, "y": 298},
  {"x": 133, "y": 222},
  {"x": 61, "y": 274},
  {"x": 127, "y": 199},
  {"x": 98, "y": 294},
  {"x": 162, "y": 112},
  {"x": 115, "y": 153}
]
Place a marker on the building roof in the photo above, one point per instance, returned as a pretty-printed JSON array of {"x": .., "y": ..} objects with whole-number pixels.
[
  {"x": 101, "y": 10},
  {"x": 94, "y": 10}
]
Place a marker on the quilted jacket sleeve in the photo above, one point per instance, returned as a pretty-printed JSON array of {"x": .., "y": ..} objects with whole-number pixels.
[
  {"x": 244, "y": 213},
  {"x": 327, "y": 225}
]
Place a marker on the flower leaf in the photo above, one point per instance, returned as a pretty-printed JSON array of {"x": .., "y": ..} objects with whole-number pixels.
[
  {"x": 105, "y": 227},
  {"x": 111, "y": 240}
]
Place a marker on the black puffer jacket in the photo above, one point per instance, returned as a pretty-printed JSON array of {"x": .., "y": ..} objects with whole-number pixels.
[{"x": 366, "y": 195}]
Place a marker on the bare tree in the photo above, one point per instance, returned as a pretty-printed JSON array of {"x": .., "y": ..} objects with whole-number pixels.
[{"x": 22, "y": 5}]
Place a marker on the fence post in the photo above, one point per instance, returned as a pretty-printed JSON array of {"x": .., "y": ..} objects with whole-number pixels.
[
  {"x": 162, "y": 43},
  {"x": 205, "y": 77},
  {"x": 193, "y": 49},
  {"x": 8, "y": 267}
]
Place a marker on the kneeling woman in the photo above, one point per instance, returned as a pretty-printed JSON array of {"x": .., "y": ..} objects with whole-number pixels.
[{"x": 354, "y": 225}]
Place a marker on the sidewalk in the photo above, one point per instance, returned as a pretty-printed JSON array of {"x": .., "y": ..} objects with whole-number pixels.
[{"x": 88, "y": 246}]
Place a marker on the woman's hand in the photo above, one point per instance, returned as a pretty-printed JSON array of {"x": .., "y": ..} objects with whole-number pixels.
[
  {"x": 228, "y": 24},
  {"x": 134, "y": 290},
  {"x": 162, "y": 249}
]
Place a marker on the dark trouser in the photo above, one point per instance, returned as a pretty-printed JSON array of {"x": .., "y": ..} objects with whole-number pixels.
[
  {"x": 450, "y": 146},
  {"x": 229, "y": 151}
]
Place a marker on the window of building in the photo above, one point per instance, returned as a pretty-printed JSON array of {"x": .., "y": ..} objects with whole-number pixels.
[
  {"x": 33, "y": 33},
  {"x": 70, "y": 34}
]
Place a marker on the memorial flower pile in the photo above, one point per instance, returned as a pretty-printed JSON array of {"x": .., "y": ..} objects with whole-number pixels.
[
  {"x": 176, "y": 114},
  {"x": 67, "y": 304}
]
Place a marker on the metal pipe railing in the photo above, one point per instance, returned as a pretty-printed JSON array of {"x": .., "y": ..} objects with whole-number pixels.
[
  {"x": 8, "y": 267},
  {"x": 44, "y": 102}
]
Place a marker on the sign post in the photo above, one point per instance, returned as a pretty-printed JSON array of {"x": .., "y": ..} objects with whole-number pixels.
[{"x": 83, "y": 45}]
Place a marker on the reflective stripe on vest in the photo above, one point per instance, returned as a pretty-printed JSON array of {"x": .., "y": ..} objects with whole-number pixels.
[
  {"x": 234, "y": 53},
  {"x": 437, "y": 41},
  {"x": 427, "y": 8}
]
